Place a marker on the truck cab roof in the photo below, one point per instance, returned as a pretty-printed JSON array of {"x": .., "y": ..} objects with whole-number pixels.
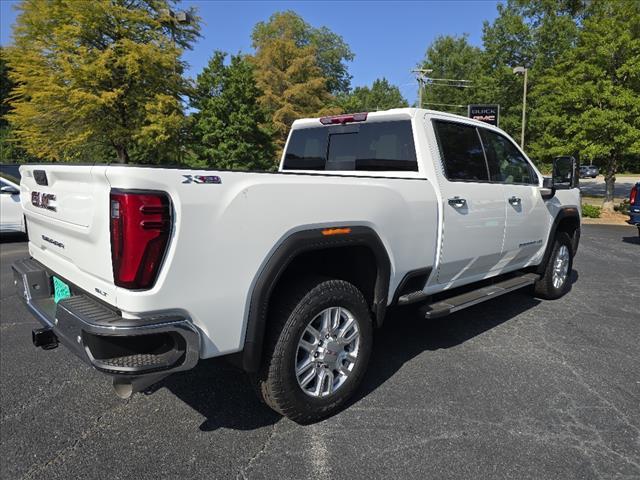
[{"x": 396, "y": 114}]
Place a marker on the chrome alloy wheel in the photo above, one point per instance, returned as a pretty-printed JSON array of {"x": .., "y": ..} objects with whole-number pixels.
[
  {"x": 327, "y": 352},
  {"x": 560, "y": 267}
]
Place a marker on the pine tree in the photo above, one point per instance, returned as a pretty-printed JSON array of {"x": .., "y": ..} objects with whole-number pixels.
[
  {"x": 229, "y": 127},
  {"x": 289, "y": 75}
]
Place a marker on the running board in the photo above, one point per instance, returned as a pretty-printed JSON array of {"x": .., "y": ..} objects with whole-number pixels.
[{"x": 464, "y": 300}]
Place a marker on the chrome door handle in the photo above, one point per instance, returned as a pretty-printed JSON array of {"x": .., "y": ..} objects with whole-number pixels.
[
  {"x": 457, "y": 202},
  {"x": 515, "y": 201}
]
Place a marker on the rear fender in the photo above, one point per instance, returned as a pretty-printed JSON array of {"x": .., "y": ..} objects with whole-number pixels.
[{"x": 289, "y": 249}]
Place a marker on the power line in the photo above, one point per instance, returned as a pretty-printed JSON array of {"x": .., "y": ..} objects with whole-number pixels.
[
  {"x": 448, "y": 105},
  {"x": 422, "y": 75}
]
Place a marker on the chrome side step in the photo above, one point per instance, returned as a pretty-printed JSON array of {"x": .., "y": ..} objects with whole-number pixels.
[{"x": 468, "y": 299}]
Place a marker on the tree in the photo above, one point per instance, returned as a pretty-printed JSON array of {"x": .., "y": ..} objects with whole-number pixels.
[
  {"x": 531, "y": 34},
  {"x": 10, "y": 151},
  {"x": 453, "y": 58},
  {"x": 6, "y": 87},
  {"x": 100, "y": 76},
  {"x": 288, "y": 74},
  {"x": 331, "y": 51},
  {"x": 589, "y": 103},
  {"x": 228, "y": 128},
  {"x": 381, "y": 96}
]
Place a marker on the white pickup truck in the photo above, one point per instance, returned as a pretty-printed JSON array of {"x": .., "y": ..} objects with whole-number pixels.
[{"x": 144, "y": 271}]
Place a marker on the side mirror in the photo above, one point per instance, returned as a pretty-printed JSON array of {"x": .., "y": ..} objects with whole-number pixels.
[
  {"x": 547, "y": 189},
  {"x": 9, "y": 190},
  {"x": 565, "y": 173}
]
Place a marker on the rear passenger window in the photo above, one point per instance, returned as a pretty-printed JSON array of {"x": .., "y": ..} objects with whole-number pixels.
[
  {"x": 506, "y": 163},
  {"x": 461, "y": 152},
  {"x": 375, "y": 146},
  {"x": 307, "y": 149}
]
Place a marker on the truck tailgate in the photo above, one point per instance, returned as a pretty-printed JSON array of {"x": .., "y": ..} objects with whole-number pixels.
[{"x": 66, "y": 208}]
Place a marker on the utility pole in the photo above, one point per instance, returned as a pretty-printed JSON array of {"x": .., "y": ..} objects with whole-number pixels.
[
  {"x": 421, "y": 75},
  {"x": 524, "y": 71},
  {"x": 423, "y": 79}
]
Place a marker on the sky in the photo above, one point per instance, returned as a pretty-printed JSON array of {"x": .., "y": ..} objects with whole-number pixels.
[{"x": 388, "y": 38}]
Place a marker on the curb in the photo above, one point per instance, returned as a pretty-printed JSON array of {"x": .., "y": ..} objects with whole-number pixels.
[{"x": 603, "y": 221}]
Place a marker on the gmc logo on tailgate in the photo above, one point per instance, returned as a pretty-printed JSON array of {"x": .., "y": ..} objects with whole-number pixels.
[{"x": 43, "y": 200}]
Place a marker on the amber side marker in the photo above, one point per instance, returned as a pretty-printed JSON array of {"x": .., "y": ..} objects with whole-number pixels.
[{"x": 335, "y": 231}]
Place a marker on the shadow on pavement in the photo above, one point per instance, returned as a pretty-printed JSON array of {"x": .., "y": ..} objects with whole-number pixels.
[
  {"x": 224, "y": 396},
  {"x": 12, "y": 237},
  {"x": 405, "y": 335},
  {"x": 633, "y": 240}
]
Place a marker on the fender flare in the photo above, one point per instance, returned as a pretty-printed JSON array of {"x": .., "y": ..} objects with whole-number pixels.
[
  {"x": 292, "y": 246},
  {"x": 564, "y": 213}
]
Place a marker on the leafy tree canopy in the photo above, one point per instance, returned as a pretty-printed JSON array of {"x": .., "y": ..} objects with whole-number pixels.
[
  {"x": 589, "y": 102},
  {"x": 331, "y": 51},
  {"x": 6, "y": 86},
  {"x": 455, "y": 58},
  {"x": 381, "y": 96},
  {"x": 228, "y": 127},
  {"x": 288, "y": 74},
  {"x": 97, "y": 77}
]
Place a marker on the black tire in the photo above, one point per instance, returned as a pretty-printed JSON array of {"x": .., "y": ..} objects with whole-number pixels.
[
  {"x": 545, "y": 288},
  {"x": 298, "y": 304}
]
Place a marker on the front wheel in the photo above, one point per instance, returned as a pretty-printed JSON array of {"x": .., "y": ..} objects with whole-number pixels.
[
  {"x": 555, "y": 281},
  {"x": 318, "y": 347}
]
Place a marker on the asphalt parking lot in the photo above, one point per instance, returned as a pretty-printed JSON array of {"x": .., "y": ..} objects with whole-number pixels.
[{"x": 513, "y": 388}]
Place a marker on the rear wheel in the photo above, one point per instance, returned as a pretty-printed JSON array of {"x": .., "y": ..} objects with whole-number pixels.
[
  {"x": 554, "y": 282},
  {"x": 317, "y": 350}
]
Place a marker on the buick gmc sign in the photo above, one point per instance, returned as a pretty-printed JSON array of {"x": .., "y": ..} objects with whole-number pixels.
[{"x": 485, "y": 113}]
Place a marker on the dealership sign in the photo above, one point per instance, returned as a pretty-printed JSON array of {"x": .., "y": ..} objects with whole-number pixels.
[{"x": 485, "y": 113}]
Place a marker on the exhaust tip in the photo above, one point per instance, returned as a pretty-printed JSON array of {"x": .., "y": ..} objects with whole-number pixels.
[{"x": 123, "y": 388}]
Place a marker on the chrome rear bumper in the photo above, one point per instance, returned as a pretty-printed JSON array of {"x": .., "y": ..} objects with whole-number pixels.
[{"x": 100, "y": 336}]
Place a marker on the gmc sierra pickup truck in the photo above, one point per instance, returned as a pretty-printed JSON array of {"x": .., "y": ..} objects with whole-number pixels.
[{"x": 143, "y": 271}]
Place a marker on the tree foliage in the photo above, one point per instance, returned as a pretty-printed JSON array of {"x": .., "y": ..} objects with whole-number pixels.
[
  {"x": 229, "y": 126},
  {"x": 330, "y": 50},
  {"x": 100, "y": 77},
  {"x": 288, "y": 73},
  {"x": 528, "y": 34},
  {"x": 10, "y": 149},
  {"x": 582, "y": 66},
  {"x": 381, "y": 96},
  {"x": 589, "y": 102},
  {"x": 452, "y": 57},
  {"x": 6, "y": 87}
]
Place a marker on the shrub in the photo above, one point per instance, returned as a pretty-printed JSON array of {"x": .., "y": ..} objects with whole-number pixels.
[
  {"x": 591, "y": 211},
  {"x": 623, "y": 207}
]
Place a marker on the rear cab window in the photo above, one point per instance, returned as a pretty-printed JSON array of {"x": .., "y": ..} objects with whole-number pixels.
[
  {"x": 474, "y": 154},
  {"x": 367, "y": 146},
  {"x": 461, "y": 151}
]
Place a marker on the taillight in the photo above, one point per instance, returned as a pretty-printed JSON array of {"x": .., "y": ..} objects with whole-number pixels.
[
  {"x": 341, "y": 119},
  {"x": 634, "y": 194},
  {"x": 140, "y": 227}
]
